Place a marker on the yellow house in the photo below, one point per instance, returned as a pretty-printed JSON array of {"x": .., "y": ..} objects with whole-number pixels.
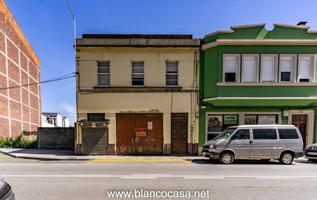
[{"x": 137, "y": 94}]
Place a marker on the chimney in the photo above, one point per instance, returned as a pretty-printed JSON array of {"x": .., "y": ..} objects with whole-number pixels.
[{"x": 302, "y": 23}]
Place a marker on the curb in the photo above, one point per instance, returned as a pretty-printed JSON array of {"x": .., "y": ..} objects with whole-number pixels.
[{"x": 45, "y": 159}]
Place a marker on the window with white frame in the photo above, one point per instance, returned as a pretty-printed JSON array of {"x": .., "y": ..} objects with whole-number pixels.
[
  {"x": 103, "y": 73},
  {"x": 249, "y": 68},
  {"x": 268, "y": 68},
  {"x": 171, "y": 73},
  {"x": 137, "y": 73},
  {"x": 231, "y": 68},
  {"x": 287, "y": 68},
  {"x": 305, "y": 68}
]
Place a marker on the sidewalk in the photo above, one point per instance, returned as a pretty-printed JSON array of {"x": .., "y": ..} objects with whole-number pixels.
[{"x": 43, "y": 154}]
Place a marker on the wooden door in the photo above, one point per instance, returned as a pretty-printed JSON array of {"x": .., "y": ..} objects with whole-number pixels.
[
  {"x": 300, "y": 121},
  {"x": 124, "y": 133},
  {"x": 140, "y": 133},
  {"x": 179, "y": 133}
]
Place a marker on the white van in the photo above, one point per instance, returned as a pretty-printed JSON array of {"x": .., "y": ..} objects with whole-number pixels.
[{"x": 256, "y": 142}]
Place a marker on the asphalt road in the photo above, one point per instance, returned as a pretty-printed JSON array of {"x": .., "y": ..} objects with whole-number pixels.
[{"x": 87, "y": 180}]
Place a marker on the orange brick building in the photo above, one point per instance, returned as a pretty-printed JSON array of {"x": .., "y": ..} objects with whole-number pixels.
[{"x": 20, "y": 107}]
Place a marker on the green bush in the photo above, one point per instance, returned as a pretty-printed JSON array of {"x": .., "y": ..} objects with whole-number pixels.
[{"x": 17, "y": 142}]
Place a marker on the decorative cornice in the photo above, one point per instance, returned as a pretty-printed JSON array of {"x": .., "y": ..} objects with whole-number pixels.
[
  {"x": 263, "y": 84},
  {"x": 291, "y": 26},
  {"x": 259, "y": 42},
  {"x": 247, "y": 26},
  {"x": 218, "y": 32}
]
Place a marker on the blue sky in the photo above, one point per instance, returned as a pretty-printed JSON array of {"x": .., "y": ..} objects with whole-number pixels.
[{"x": 47, "y": 25}]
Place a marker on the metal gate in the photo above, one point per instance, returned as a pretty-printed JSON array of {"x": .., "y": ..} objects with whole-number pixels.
[
  {"x": 139, "y": 133},
  {"x": 94, "y": 140}
]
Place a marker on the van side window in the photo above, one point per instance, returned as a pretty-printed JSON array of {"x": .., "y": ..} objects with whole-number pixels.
[
  {"x": 242, "y": 134},
  {"x": 288, "y": 133},
  {"x": 264, "y": 134}
]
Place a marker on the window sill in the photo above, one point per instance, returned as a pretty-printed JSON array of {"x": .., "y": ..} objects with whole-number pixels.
[
  {"x": 138, "y": 89},
  {"x": 260, "y": 84}
]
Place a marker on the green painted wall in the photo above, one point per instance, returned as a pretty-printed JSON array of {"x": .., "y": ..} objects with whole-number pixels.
[
  {"x": 211, "y": 73},
  {"x": 212, "y": 60},
  {"x": 259, "y": 32}
]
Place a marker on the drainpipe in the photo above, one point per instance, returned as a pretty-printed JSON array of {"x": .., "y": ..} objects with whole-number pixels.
[{"x": 193, "y": 99}]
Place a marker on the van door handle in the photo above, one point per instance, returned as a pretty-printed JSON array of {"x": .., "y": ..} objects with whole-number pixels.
[{"x": 251, "y": 142}]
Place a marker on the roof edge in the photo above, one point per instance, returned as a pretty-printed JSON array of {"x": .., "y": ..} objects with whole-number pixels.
[
  {"x": 11, "y": 19},
  {"x": 291, "y": 26},
  {"x": 247, "y": 26}
]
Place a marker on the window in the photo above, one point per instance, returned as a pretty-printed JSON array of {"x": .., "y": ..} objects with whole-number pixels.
[
  {"x": 242, "y": 134},
  {"x": 250, "y": 119},
  {"x": 305, "y": 68},
  {"x": 267, "y": 119},
  {"x": 96, "y": 117},
  {"x": 260, "y": 119},
  {"x": 103, "y": 73},
  {"x": 288, "y": 134},
  {"x": 249, "y": 68},
  {"x": 171, "y": 73},
  {"x": 217, "y": 123},
  {"x": 286, "y": 68},
  {"x": 268, "y": 68},
  {"x": 231, "y": 66},
  {"x": 137, "y": 73},
  {"x": 264, "y": 134}
]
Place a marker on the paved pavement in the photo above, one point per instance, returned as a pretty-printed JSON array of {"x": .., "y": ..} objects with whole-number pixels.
[
  {"x": 92, "y": 180},
  {"x": 42, "y": 154}
]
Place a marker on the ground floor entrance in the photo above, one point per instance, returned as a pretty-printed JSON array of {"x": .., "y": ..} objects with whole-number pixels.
[
  {"x": 139, "y": 133},
  {"x": 300, "y": 121},
  {"x": 179, "y": 133},
  {"x": 216, "y": 121}
]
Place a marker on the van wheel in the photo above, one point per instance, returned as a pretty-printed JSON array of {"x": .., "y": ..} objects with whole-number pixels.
[
  {"x": 226, "y": 157},
  {"x": 287, "y": 158},
  {"x": 314, "y": 160}
]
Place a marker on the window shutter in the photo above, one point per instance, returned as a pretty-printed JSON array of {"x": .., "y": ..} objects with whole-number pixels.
[
  {"x": 231, "y": 64},
  {"x": 286, "y": 64},
  {"x": 249, "y": 66},
  {"x": 304, "y": 68},
  {"x": 268, "y": 69}
]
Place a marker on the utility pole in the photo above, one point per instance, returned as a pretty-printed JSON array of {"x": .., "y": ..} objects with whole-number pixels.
[{"x": 75, "y": 54}]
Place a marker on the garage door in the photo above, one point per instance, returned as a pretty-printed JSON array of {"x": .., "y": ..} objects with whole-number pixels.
[
  {"x": 95, "y": 141},
  {"x": 139, "y": 133}
]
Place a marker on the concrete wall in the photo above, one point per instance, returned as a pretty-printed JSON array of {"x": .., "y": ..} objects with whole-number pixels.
[
  {"x": 20, "y": 108},
  {"x": 56, "y": 138}
]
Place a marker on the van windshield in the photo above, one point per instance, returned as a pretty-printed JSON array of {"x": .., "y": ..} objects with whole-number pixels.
[{"x": 226, "y": 133}]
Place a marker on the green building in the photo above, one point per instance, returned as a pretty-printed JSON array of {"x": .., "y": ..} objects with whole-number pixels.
[{"x": 251, "y": 75}]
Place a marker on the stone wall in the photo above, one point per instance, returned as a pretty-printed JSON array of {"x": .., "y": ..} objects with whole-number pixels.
[{"x": 56, "y": 138}]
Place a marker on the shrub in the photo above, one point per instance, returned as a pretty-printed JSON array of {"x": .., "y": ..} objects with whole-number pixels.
[{"x": 17, "y": 142}]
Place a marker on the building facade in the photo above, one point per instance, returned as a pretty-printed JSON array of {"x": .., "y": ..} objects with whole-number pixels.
[
  {"x": 20, "y": 107},
  {"x": 251, "y": 75},
  {"x": 51, "y": 119},
  {"x": 144, "y": 87}
]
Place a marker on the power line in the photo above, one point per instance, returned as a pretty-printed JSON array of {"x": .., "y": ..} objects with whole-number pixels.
[{"x": 59, "y": 78}]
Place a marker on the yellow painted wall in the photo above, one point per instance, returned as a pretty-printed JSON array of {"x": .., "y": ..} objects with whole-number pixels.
[
  {"x": 120, "y": 65},
  {"x": 154, "y": 70}
]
